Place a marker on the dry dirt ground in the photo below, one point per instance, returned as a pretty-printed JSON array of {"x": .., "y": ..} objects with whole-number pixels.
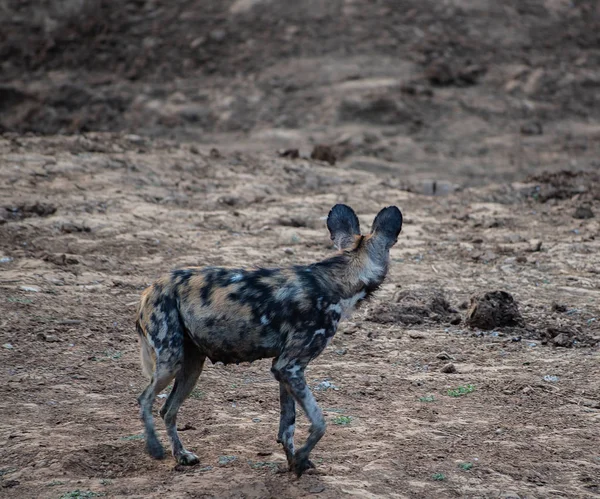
[{"x": 139, "y": 136}]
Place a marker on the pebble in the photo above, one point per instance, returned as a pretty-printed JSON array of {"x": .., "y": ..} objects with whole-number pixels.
[
  {"x": 532, "y": 128},
  {"x": 583, "y": 212},
  {"x": 217, "y": 35},
  {"x": 226, "y": 459},
  {"x": 449, "y": 368},
  {"x": 325, "y": 385},
  {"x": 536, "y": 246},
  {"x": 594, "y": 404},
  {"x": 443, "y": 356},
  {"x": 562, "y": 340},
  {"x": 49, "y": 338}
]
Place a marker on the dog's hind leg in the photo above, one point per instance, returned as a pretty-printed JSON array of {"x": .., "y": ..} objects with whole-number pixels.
[
  {"x": 162, "y": 338},
  {"x": 185, "y": 381},
  {"x": 164, "y": 373}
]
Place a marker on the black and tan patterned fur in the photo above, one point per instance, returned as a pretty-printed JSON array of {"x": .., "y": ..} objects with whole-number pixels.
[{"x": 240, "y": 315}]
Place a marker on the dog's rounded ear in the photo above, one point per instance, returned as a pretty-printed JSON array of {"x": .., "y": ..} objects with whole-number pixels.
[
  {"x": 343, "y": 225},
  {"x": 387, "y": 225}
]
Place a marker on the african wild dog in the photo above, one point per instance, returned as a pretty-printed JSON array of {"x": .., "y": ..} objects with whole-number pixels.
[{"x": 241, "y": 315}]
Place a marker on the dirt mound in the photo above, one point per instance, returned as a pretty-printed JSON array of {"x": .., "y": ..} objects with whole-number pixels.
[
  {"x": 26, "y": 210},
  {"x": 494, "y": 309},
  {"x": 566, "y": 184},
  {"x": 416, "y": 306},
  {"x": 106, "y": 461}
]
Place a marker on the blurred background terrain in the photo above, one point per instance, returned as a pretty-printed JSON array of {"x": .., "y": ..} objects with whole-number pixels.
[{"x": 458, "y": 90}]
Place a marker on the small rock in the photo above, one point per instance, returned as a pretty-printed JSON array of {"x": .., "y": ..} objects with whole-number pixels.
[
  {"x": 532, "y": 128},
  {"x": 499, "y": 431},
  {"x": 323, "y": 152},
  {"x": 136, "y": 139},
  {"x": 550, "y": 378},
  {"x": 196, "y": 42},
  {"x": 559, "y": 307},
  {"x": 50, "y": 338},
  {"x": 449, "y": 369},
  {"x": 435, "y": 187},
  {"x": 288, "y": 251},
  {"x": 177, "y": 98},
  {"x": 527, "y": 390},
  {"x": 455, "y": 320},
  {"x": 583, "y": 212},
  {"x": 443, "y": 356},
  {"x": 536, "y": 246},
  {"x": 30, "y": 289},
  {"x": 215, "y": 153},
  {"x": 594, "y": 404},
  {"x": 489, "y": 256},
  {"x": 350, "y": 329},
  {"x": 521, "y": 259},
  {"x": 226, "y": 459},
  {"x": 217, "y": 35},
  {"x": 440, "y": 73},
  {"x": 317, "y": 489},
  {"x": 413, "y": 89},
  {"x": 534, "y": 82},
  {"x": 256, "y": 420},
  {"x": 5, "y": 259},
  {"x": 71, "y": 227},
  {"x": 194, "y": 113},
  {"x": 40, "y": 209},
  {"x": 186, "y": 427},
  {"x": 243, "y": 6},
  {"x": 443, "y": 73},
  {"x": 290, "y": 153},
  {"x": 416, "y": 336},
  {"x": 10, "y": 483},
  {"x": 8, "y": 346},
  {"x": 562, "y": 340},
  {"x": 325, "y": 385},
  {"x": 58, "y": 259},
  {"x": 381, "y": 110},
  {"x": 231, "y": 200}
]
